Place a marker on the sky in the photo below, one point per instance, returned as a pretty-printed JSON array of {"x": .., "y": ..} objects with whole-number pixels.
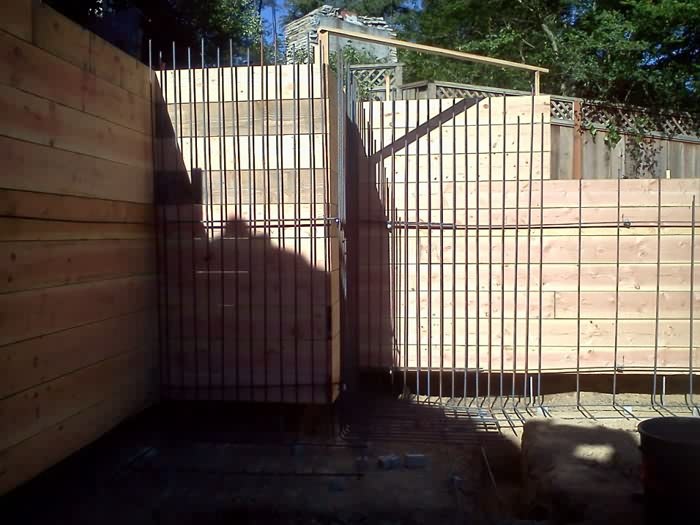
[{"x": 271, "y": 10}]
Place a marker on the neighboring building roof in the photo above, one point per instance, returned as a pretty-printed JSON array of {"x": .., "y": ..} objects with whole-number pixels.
[{"x": 303, "y": 30}]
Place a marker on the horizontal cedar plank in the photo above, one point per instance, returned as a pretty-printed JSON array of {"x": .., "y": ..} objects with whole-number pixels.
[
  {"x": 35, "y": 264},
  {"x": 560, "y": 249},
  {"x": 14, "y": 229},
  {"x": 38, "y": 312},
  {"x": 117, "y": 67},
  {"x": 300, "y": 364},
  {"x": 564, "y": 194},
  {"x": 28, "y": 68},
  {"x": 31, "y": 205},
  {"x": 376, "y": 303},
  {"x": 447, "y": 167},
  {"x": 16, "y": 18},
  {"x": 31, "y": 69},
  {"x": 420, "y": 111},
  {"x": 553, "y": 358},
  {"x": 270, "y": 394},
  {"x": 35, "y": 119},
  {"x": 25, "y": 460},
  {"x": 449, "y": 140},
  {"x": 590, "y": 217},
  {"x": 268, "y": 117},
  {"x": 559, "y": 332},
  {"x": 630, "y": 305},
  {"x": 64, "y": 38},
  {"x": 557, "y": 193},
  {"x": 284, "y": 81},
  {"x": 555, "y": 277},
  {"x": 304, "y": 328},
  {"x": 42, "y": 359},
  {"x": 33, "y": 167},
  {"x": 246, "y": 152},
  {"x": 60, "y": 36},
  {"x": 116, "y": 104},
  {"x": 28, "y": 413}
]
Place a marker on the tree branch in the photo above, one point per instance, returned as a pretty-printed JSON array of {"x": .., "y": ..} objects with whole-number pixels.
[{"x": 551, "y": 37}]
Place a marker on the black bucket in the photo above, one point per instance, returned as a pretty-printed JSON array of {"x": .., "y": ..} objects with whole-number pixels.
[{"x": 670, "y": 468}]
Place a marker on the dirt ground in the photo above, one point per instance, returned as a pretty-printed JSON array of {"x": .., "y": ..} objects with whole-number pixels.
[{"x": 175, "y": 467}]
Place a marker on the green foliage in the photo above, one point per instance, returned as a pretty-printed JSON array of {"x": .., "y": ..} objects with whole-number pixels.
[
  {"x": 185, "y": 22},
  {"x": 632, "y": 51}
]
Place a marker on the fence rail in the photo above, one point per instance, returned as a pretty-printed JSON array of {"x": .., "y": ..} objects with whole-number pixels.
[{"x": 593, "y": 114}]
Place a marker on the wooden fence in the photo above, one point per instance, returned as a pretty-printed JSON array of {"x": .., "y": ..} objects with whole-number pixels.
[
  {"x": 580, "y": 132},
  {"x": 249, "y": 256},
  {"x": 77, "y": 299},
  {"x": 472, "y": 257}
]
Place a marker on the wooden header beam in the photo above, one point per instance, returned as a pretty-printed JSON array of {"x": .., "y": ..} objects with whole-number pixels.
[{"x": 421, "y": 48}]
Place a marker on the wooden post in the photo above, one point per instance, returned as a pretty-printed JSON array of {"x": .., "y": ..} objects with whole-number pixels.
[
  {"x": 577, "y": 151},
  {"x": 537, "y": 82},
  {"x": 323, "y": 50},
  {"x": 398, "y": 81},
  {"x": 387, "y": 86},
  {"x": 431, "y": 50}
]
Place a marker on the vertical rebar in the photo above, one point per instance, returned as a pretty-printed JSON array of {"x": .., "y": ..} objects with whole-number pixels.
[
  {"x": 466, "y": 245},
  {"x": 325, "y": 187},
  {"x": 430, "y": 251},
  {"x": 178, "y": 202},
  {"x": 368, "y": 225},
  {"x": 238, "y": 206},
  {"x": 313, "y": 237},
  {"x": 382, "y": 247},
  {"x": 541, "y": 263},
  {"x": 196, "y": 207},
  {"x": 164, "y": 198},
  {"x": 395, "y": 259},
  {"x": 266, "y": 161},
  {"x": 490, "y": 259},
  {"x": 477, "y": 256},
  {"x": 691, "y": 312},
  {"x": 223, "y": 213},
  {"x": 208, "y": 166},
  {"x": 526, "y": 375},
  {"x": 296, "y": 104},
  {"x": 405, "y": 243},
  {"x": 658, "y": 292},
  {"x": 616, "y": 335},
  {"x": 454, "y": 244},
  {"x": 442, "y": 250},
  {"x": 503, "y": 259},
  {"x": 516, "y": 258},
  {"x": 281, "y": 225},
  {"x": 157, "y": 176},
  {"x": 250, "y": 157},
  {"x": 578, "y": 295},
  {"x": 418, "y": 257}
]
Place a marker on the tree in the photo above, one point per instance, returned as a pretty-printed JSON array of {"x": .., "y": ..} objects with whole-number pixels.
[
  {"x": 633, "y": 51},
  {"x": 184, "y": 22}
]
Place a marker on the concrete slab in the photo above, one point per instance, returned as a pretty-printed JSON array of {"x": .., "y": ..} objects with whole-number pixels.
[{"x": 581, "y": 472}]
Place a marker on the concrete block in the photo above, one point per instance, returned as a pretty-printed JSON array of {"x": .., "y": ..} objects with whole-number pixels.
[
  {"x": 389, "y": 462},
  {"x": 361, "y": 463},
  {"x": 415, "y": 460},
  {"x": 336, "y": 485},
  {"x": 578, "y": 470},
  {"x": 456, "y": 482}
]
